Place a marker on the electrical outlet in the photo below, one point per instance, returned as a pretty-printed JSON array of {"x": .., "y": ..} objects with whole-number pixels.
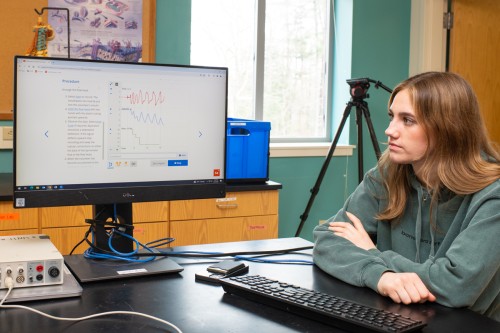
[{"x": 8, "y": 133}]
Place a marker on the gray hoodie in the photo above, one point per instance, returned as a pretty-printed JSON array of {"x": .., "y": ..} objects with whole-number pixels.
[{"x": 457, "y": 256}]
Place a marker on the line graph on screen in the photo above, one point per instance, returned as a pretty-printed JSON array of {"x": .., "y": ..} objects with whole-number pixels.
[{"x": 137, "y": 117}]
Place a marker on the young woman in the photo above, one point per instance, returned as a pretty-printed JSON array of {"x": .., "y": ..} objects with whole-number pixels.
[{"x": 433, "y": 202}]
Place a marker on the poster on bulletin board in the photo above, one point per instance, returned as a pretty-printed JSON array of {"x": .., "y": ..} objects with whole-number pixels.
[{"x": 99, "y": 29}]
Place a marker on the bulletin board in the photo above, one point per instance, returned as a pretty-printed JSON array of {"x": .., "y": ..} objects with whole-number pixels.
[{"x": 17, "y": 20}]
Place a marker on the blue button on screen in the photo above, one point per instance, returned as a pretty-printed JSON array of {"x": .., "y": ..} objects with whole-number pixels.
[{"x": 177, "y": 162}]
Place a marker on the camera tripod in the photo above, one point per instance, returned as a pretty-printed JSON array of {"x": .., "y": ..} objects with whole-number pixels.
[{"x": 359, "y": 92}]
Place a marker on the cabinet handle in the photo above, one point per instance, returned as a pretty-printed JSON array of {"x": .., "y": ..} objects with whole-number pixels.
[{"x": 227, "y": 206}]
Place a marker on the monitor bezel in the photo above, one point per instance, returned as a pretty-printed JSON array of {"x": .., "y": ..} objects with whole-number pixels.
[{"x": 118, "y": 192}]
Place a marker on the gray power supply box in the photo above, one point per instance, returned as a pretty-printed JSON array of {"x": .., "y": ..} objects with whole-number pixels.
[{"x": 30, "y": 260}]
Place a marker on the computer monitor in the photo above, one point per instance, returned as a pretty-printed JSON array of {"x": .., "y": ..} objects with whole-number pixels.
[{"x": 109, "y": 134}]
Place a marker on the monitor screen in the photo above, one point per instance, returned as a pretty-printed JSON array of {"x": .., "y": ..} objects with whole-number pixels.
[
  {"x": 109, "y": 134},
  {"x": 92, "y": 132}
]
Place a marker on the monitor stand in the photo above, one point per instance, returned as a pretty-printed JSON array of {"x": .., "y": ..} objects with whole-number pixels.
[
  {"x": 90, "y": 270},
  {"x": 118, "y": 216}
]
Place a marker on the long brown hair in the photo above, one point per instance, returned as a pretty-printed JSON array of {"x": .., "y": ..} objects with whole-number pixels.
[{"x": 460, "y": 156}]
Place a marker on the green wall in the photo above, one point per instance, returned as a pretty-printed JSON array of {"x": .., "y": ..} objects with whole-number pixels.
[
  {"x": 173, "y": 30},
  {"x": 5, "y": 155},
  {"x": 380, "y": 51},
  {"x": 381, "y": 44}
]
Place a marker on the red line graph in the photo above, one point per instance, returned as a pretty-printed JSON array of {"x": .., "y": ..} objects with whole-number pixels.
[{"x": 150, "y": 98}]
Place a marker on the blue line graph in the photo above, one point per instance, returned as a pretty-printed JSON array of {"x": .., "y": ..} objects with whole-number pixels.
[{"x": 139, "y": 116}]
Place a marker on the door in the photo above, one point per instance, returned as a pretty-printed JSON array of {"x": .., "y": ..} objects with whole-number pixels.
[{"x": 474, "y": 53}]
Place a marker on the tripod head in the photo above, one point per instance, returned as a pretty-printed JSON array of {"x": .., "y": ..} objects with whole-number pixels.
[{"x": 359, "y": 87}]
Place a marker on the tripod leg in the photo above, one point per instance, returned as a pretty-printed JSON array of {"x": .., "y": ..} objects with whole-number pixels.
[
  {"x": 359, "y": 126},
  {"x": 373, "y": 137},
  {"x": 321, "y": 175}
]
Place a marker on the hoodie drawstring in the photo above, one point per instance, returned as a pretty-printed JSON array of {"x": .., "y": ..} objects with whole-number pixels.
[
  {"x": 423, "y": 196},
  {"x": 418, "y": 225}
]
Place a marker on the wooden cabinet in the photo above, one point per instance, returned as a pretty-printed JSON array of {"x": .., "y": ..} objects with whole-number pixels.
[
  {"x": 17, "y": 221},
  {"x": 238, "y": 216},
  {"x": 232, "y": 229},
  {"x": 71, "y": 216},
  {"x": 245, "y": 215}
]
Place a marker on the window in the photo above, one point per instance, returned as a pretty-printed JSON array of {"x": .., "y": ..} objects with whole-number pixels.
[{"x": 277, "y": 52}]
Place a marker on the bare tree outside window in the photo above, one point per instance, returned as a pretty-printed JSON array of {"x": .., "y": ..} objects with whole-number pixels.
[{"x": 292, "y": 87}]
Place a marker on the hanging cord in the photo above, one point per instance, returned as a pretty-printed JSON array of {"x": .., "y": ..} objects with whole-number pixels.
[{"x": 10, "y": 284}]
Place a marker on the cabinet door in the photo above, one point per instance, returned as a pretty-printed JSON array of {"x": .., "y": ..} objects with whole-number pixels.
[
  {"x": 206, "y": 231},
  {"x": 18, "y": 219},
  {"x": 70, "y": 216},
  {"x": 234, "y": 204},
  {"x": 150, "y": 211},
  {"x": 64, "y": 239},
  {"x": 75, "y": 215}
]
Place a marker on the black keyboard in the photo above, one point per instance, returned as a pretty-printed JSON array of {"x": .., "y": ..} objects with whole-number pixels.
[{"x": 328, "y": 309}]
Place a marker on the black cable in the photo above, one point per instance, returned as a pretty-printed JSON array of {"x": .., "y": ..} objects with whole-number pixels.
[
  {"x": 77, "y": 245},
  {"x": 197, "y": 254}
]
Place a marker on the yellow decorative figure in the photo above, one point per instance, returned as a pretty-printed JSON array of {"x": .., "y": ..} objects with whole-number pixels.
[{"x": 43, "y": 34}]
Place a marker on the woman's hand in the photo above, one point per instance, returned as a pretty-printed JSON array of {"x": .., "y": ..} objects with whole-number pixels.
[
  {"x": 404, "y": 288},
  {"x": 354, "y": 232},
  {"x": 400, "y": 287}
]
